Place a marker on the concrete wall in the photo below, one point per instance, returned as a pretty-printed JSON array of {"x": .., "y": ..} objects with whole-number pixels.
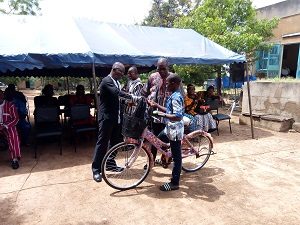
[
  {"x": 289, "y": 14},
  {"x": 279, "y": 10},
  {"x": 287, "y": 25},
  {"x": 279, "y": 98}
]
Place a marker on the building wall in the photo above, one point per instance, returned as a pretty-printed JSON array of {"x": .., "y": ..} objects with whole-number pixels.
[
  {"x": 287, "y": 25},
  {"x": 279, "y": 98},
  {"x": 288, "y": 13},
  {"x": 279, "y": 10}
]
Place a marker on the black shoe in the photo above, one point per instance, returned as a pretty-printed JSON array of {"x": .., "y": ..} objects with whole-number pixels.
[
  {"x": 15, "y": 164},
  {"x": 114, "y": 168},
  {"x": 97, "y": 177}
]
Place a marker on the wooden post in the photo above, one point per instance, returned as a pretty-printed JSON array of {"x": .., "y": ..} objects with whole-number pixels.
[
  {"x": 249, "y": 99},
  {"x": 95, "y": 86}
]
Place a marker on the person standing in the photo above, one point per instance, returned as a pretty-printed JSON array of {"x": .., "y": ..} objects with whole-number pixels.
[
  {"x": 174, "y": 129},
  {"x": 8, "y": 127},
  {"x": 155, "y": 90},
  {"x": 20, "y": 102},
  {"x": 134, "y": 85},
  {"x": 109, "y": 119}
]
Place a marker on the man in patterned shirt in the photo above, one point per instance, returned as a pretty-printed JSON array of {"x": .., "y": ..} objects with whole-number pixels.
[
  {"x": 174, "y": 129},
  {"x": 155, "y": 90}
]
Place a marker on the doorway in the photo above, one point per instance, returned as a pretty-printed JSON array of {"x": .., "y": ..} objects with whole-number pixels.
[{"x": 290, "y": 60}]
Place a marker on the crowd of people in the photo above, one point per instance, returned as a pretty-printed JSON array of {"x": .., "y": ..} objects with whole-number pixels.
[{"x": 163, "y": 90}]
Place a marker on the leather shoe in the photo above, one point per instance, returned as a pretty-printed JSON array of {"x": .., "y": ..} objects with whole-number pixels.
[
  {"x": 97, "y": 177},
  {"x": 15, "y": 164}
]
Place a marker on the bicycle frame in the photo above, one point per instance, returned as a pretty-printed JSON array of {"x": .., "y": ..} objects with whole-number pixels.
[{"x": 159, "y": 145}]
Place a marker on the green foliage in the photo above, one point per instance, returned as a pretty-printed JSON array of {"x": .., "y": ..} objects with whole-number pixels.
[
  {"x": 11, "y": 80},
  {"x": 195, "y": 74},
  {"x": 164, "y": 12},
  {"x": 232, "y": 24},
  {"x": 20, "y": 7}
]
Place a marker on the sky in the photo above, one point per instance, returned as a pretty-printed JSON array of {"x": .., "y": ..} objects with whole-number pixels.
[{"x": 114, "y": 11}]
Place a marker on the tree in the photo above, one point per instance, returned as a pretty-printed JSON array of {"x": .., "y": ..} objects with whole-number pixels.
[
  {"x": 20, "y": 7},
  {"x": 232, "y": 24},
  {"x": 164, "y": 12}
]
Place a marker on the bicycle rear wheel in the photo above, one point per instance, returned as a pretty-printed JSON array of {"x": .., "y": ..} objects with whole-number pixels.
[
  {"x": 125, "y": 166},
  {"x": 195, "y": 158}
]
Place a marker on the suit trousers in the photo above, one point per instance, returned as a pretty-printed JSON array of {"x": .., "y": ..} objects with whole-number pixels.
[{"x": 109, "y": 135}]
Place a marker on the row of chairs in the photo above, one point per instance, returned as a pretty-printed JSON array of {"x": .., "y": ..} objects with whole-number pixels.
[{"x": 48, "y": 124}]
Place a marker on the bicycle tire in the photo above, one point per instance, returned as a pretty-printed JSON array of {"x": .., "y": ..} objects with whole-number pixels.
[
  {"x": 193, "y": 161},
  {"x": 131, "y": 176}
]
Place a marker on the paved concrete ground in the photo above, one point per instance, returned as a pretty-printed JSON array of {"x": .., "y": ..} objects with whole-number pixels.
[{"x": 248, "y": 181}]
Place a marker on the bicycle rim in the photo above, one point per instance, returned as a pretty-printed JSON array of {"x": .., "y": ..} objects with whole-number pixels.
[
  {"x": 191, "y": 160},
  {"x": 131, "y": 175}
]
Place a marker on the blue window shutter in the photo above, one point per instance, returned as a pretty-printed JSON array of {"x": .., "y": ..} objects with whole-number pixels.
[
  {"x": 298, "y": 65},
  {"x": 273, "y": 65}
]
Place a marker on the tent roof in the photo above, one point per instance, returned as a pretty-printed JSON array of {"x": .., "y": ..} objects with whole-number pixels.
[{"x": 28, "y": 42}]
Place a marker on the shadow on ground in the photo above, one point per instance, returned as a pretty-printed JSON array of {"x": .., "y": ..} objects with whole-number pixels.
[
  {"x": 239, "y": 133},
  {"x": 8, "y": 213},
  {"x": 197, "y": 185}
]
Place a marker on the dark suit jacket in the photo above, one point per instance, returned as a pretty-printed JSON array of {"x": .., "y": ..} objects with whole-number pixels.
[{"x": 109, "y": 100}]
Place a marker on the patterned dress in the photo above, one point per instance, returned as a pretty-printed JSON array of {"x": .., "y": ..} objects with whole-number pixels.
[
  {"x": 9, "y": 118},
  {"x": 203, "y": 121}
]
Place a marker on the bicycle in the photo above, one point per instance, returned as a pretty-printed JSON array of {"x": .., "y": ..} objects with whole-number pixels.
[{"x": 134, "y": 158}]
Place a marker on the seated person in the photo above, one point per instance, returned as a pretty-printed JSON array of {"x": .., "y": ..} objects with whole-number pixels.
[
  {"x": 197, "y": 111},
  {"x": 80, "y": 98},
  {"x": 8, "y": 127},
  {"x": 210, "y": 95},
  {"x": 46, "y": 99},
  {"x": 20, "y": 102}
]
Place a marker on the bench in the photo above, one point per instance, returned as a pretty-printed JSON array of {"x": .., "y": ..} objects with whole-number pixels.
[{"x": 269, "y": 121}]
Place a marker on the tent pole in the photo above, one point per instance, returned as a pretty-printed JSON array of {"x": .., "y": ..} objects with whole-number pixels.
[
  {"x": 249, "y": 99},
  {"x": 95, "y": 86},
  {"x": 68, "y": 85}
]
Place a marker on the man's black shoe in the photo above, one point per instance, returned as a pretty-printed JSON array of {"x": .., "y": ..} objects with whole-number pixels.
[
  {"x": 114, "y": 168},
  {"x": 15, "y": 164},
  {"x": 97, "y": 177}
]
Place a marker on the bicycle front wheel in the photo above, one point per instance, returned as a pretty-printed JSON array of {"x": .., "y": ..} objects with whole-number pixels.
[
  {"x": 194, "y": 157},
  {"x": 125, "y": 166}
]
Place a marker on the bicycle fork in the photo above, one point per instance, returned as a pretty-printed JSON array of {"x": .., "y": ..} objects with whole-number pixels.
[{"x": 134, "y": 155}]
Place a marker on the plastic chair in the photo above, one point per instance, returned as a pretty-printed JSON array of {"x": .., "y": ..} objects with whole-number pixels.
[
  {"x": 47, "y": 124},
  {"x": 214, "y": 105}
]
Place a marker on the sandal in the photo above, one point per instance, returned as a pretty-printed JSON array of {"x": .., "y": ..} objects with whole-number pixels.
[
  {"x": 169, "y": 187},
  {"x": 158, "y": 162}
]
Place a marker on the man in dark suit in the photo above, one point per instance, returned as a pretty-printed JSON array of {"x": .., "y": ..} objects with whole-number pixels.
[{"x": 109, "y": 118}]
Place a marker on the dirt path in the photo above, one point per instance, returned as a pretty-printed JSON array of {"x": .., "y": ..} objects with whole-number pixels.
[{"x": 248, "y": 181}]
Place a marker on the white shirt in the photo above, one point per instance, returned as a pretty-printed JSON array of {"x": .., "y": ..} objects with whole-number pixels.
[{"x": 117, "y": 84}]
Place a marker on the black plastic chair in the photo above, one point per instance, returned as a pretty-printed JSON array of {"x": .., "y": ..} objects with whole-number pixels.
[
  {"x": 47, "y": 124},
  {"x": 214, "y": 106},
  {"x": 78, "y": 115}
]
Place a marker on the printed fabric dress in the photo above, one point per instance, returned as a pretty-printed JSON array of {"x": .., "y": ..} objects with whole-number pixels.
[{"x": 203, "y": 121}]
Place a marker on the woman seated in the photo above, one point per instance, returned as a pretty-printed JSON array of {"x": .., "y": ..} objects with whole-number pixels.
[
  {"x": 46, "y": 99},
  {"x": 210, "y": 95},
  {"x": 80, "y": 98},
  {"x": 197, "y": 111}
]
